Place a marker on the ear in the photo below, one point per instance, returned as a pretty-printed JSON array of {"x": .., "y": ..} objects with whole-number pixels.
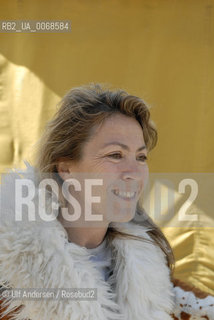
[{"x": 64, "y": 168}]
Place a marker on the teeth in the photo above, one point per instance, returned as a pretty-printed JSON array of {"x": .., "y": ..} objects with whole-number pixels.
[{"x": 124, "y": 194}]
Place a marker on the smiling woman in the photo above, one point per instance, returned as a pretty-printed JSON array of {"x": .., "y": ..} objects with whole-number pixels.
[
  {"x": 116, "y": 153},
  {"x": 107, "y": 244}
]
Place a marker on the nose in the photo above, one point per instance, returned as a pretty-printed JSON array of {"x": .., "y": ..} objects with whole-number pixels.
[
  {"x": 133, "y": 170},
  {"x": 130, "y": 175}
]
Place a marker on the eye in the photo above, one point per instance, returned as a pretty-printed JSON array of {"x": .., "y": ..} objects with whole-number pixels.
[
  {"x": 115, "y": 155},
  {"x": 142, "y": 158}
]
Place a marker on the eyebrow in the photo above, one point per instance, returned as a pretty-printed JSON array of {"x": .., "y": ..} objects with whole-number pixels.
[{"x": 122, "y": 145}]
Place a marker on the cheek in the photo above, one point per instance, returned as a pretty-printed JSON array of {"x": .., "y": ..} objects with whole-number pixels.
[
  {"x": 108, "y": 167},
  {"x": 145, "y": 175}
]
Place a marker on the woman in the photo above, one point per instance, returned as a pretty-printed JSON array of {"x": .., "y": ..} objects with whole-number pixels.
[{"x": 94, "y": 154}]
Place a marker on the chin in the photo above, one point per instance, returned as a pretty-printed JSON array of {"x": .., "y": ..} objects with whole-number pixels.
[{"x": 121, "y": 217}]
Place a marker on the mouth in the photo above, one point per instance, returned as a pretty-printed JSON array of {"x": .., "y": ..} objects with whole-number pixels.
[{"x": 125, "y": 195}]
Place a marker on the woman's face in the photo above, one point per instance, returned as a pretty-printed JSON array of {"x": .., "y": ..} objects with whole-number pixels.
[{"x": 116, "y": 154}]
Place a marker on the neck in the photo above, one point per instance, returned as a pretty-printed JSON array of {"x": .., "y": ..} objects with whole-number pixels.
[
  {"x": 86, "y": 237},
  {"x": 89, "y": 235}
]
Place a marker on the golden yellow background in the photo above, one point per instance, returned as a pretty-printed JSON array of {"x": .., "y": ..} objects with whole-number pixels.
[{"x": 159, "y": 50}]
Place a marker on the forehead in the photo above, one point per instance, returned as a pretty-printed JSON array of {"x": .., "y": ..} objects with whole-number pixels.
[{"x": 119, "y": 127}]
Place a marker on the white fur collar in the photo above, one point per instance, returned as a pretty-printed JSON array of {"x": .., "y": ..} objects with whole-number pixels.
[{"x": 35, "y": 256}]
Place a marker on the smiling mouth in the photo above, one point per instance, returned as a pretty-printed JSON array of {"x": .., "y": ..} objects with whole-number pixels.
[{"x": 124, "y": 195}]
